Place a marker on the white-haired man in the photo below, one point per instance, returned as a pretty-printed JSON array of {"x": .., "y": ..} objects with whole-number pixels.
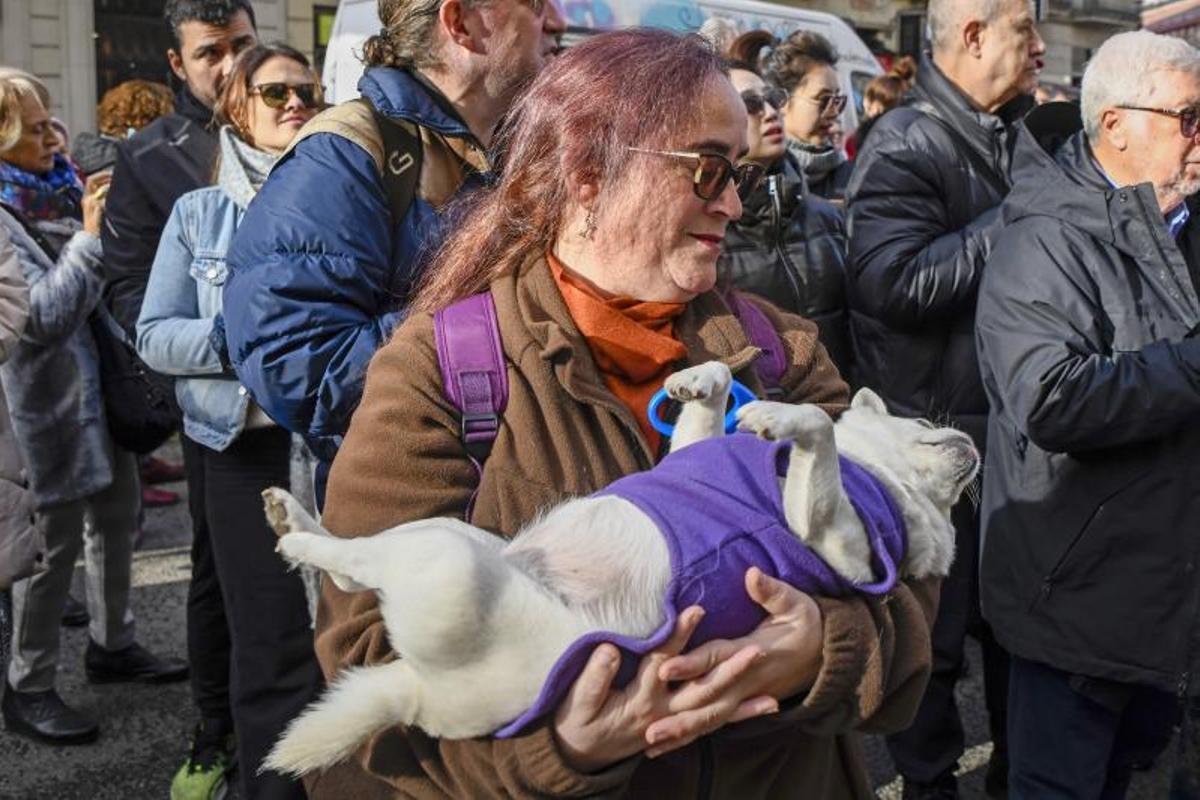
[
  {"x": 922, "y": 209},
  {"x": 1087, "y": 318}
]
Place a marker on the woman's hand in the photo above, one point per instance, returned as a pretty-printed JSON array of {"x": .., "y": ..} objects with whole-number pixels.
[
  {"x": 93, "y": 202},
  {"x": 597, "y": 726},
  {"x": 790, "y": 641}
]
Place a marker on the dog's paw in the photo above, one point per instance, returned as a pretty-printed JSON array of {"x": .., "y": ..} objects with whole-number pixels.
[
  {"x": 778, "y": 421},
  {"x": 284, "y": 513},
  {"x": 702, "y": 382}
]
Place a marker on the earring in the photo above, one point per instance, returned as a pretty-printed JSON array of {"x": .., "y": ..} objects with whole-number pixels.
[{"x": 589, "y": 226}]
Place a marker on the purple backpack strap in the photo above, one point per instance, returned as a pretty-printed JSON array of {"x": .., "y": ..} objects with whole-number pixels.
[
  {"x": 762, "y": 334},
  {"x": 473, "y": 374}
]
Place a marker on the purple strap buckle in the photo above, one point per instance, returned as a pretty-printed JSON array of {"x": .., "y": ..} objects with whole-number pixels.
[{"x": 472, "y": 364}]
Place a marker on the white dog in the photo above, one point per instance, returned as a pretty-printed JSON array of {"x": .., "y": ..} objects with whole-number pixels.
[{"x": 480, "y": 622}]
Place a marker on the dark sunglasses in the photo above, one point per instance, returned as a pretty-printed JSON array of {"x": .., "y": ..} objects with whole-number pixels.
[
  {"x": 755, "y": 102},
  {"x": 830, "y": 102},
  {"x": 276, "y": 95},
  {"x": 713, "y": 173},
  {"x": 1189, "y": 118}
]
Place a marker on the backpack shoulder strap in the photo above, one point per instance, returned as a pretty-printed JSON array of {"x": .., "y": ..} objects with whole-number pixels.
[
  {"x": 401, "y": 167},
  {"x": 394, "y": 145},
  {"x": 474, "y": 378},
  {"x": 762, "y": 334}
]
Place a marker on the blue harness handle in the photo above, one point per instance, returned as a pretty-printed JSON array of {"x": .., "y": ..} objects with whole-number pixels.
[{"x": 737, "y": 390}]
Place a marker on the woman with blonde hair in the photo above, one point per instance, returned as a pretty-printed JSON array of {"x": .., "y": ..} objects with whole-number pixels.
[
  {"x": 52, "y": 384},
  {"x": 236, "y": 449}
]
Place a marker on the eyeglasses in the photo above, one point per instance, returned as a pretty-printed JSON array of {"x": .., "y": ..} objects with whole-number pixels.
[
  {"x": 276, "y": 95},
  {"x": 713, "y": 173},
  {"x": 1189, "y": 118},
  {"x": 829, "y": 102},
  {"x": 756, "y": 103}
]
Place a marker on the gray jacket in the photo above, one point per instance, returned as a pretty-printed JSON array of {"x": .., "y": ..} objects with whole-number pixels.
[
  {"x": 22, "y": 548},
  {"x": 52, "y": 381}
]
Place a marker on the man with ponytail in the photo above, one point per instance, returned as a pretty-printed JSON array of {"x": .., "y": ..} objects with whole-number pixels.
[{"x": 322, "y": 267}]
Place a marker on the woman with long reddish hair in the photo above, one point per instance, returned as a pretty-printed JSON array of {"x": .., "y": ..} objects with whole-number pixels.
[{"x": 599, "y": 247}]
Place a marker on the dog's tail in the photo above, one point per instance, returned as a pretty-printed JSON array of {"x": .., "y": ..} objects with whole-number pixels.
[{"x": 361, "y": 702}]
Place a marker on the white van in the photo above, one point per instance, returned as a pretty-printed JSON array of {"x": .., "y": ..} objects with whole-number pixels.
[{"x": 357, "y": 19}]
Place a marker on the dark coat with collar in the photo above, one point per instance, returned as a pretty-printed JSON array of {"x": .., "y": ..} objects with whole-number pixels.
[
  {"x": 922, "y": 211},
  {"x": 790, "y": 247},
  {"x": 165, "y": 160},
  {"x": 1086, "y": 318}
]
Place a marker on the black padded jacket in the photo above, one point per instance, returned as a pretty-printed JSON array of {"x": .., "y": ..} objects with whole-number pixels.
[
  {"x": 790, "y": 247},
  {"x": 922, "y": 210}
]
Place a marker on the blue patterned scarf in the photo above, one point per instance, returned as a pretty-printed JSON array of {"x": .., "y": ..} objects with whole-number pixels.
[{"x": 53, "y": 195}]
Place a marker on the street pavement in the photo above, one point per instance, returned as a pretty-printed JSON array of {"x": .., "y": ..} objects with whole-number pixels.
[{"x": 145, "y": 729}]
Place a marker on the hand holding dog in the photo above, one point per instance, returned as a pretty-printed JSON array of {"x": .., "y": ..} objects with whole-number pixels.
[
  {"x": 790, "y": 642},
  {"x": 597, "y": 726}
]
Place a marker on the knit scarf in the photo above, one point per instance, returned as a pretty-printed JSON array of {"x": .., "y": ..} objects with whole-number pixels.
[
  {"x": 632, "y": 342},
  {"x": 243, "y": 168},
  {"x": 54, "y": 195},
  {"x": 815, "y": 162}
]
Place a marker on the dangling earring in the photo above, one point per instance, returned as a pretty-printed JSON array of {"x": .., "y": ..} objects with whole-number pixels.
[{"x": 589, "y": 226}]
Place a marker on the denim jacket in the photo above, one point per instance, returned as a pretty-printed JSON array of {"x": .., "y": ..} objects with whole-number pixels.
[{"x": 175, "y": 326}]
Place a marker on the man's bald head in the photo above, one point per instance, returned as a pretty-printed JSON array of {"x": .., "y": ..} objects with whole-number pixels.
[{"x": 947, "y": 18}]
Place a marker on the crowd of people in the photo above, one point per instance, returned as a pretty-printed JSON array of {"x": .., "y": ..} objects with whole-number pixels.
[{"x": 261, "y": 273}]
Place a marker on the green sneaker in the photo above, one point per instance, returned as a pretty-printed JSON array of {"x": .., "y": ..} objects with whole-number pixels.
[{"x": 203, "y": 775}]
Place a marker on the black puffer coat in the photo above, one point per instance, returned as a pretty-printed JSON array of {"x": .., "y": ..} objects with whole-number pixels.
[
  {"x": 790, "y": 247},
  {"x": 1087, "y": 315},
  {"x": 922, "y": 209}
]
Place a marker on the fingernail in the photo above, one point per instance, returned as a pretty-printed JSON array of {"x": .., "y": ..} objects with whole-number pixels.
[{"x": 653, "y": 753}]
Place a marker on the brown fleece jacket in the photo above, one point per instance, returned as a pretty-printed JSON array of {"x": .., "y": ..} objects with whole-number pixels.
[{"x": 564, "y": 434}]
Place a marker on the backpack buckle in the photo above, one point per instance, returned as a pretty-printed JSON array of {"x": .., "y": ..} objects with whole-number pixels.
[{"x": 478, "y": 432}]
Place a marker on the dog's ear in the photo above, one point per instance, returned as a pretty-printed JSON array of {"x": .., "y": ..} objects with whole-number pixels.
[{"x": 865, "y": 398}]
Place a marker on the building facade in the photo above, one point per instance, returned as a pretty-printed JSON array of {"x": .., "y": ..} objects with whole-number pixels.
[
  {"x": 1175, "y": 18},
  {"x": 82, "y": 48}
]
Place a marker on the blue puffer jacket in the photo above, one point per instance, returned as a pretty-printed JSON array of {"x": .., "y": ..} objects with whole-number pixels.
[{"x": 319, "y": 271}]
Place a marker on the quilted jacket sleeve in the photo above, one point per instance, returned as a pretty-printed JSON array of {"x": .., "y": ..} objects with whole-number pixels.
[
  {"x": 60, "y": 297},
  {"x": 14, "y": 297},
  {"x": 908, "y": 265},
  {"x": 309, "y": 297}
]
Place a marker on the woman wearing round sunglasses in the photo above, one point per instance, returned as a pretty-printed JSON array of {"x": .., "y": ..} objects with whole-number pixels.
[
  {"x": 258, "y": 645},
  {"x": 598, "y": 247},
  {"x": 803, "y": 65},
  {"x": 789, "y": 246}
]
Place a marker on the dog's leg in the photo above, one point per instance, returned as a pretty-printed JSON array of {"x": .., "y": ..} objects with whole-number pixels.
[
  {"x": 359, "y": 703},
  {"x": 704, "y": 392},
  {"x": 340, "y": 558},
  {"x": 814, "y": 500}
]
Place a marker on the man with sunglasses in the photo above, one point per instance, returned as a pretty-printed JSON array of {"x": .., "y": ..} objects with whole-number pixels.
[
  {"x": 922, "y": 213},
  {"x": 1087, "y": 320},
  {"x": 330, "y": 250}
]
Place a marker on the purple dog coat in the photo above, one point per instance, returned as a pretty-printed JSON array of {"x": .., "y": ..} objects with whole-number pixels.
[{"x": 719, "y": 505}]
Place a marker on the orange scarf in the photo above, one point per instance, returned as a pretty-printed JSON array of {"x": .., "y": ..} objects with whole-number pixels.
[{"x": 632, "y": 341}]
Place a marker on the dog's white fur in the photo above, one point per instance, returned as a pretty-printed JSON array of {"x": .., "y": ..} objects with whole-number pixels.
[{"x": 479, "y": 622}]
